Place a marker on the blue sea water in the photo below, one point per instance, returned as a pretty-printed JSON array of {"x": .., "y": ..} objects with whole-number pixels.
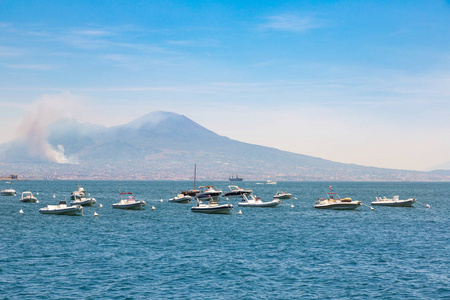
[{"x": 265, "y": 253}]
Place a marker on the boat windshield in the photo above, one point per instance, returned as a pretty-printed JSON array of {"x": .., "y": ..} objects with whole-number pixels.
[{"x": 334, "y": 196}]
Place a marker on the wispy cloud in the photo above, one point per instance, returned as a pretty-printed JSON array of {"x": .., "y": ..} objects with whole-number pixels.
[
  {"x": 93, "y": 32},
  {"x": 195, "y": 43},
  {"x": 36, "y": 67},
  {"x": 9, "y": 51},
  {"x": 291, "y": 23}
]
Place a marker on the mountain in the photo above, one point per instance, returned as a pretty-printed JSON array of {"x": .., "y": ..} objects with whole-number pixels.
[
  {"x": 165, "y": 145},
  {"x": 444, "y": 166}
]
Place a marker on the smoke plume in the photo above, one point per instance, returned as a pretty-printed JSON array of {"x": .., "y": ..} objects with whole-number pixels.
[{"x": 33, "y": 126}]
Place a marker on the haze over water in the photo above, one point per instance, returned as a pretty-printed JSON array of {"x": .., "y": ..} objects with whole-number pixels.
[{"x": 265, "y": 253}]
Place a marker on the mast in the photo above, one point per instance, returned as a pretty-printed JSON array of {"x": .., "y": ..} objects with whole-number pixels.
[{"x": 195, "y": 174}]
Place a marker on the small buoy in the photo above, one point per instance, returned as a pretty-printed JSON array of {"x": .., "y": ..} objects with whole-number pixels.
[
  {"x": 295, "y": 198},
  {"x": 54, "y": 196},
  {"x": 371, "y": 208},
  {"x": 292, "y": 206},
  {"x": 95, "y": 214},
  {"x": 161, "y": 200},
  {"x": 37, "y": 201},
  {"x": 240, "y": 212},
  {"x": 101, "y": 205},
  {"x": 153, "y": 208},
  {"x": 428, "y": 206},
  {"x": 37, "y": 193},
  {"x": 20, "y": 211}
]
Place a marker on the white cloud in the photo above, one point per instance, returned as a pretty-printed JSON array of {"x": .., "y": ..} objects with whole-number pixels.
[
  {"x": 93, "y": 32},
  {"x": 36, "y": 67},
  {"x": 290, "y": 22}
]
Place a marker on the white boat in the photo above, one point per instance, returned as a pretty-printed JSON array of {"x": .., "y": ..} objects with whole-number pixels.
[
  {"x": 8, "y": 192},
  {"x": 129, "y": 202},
  {"x": 251, "y": 201},
  {"x": 335, "y": 202},
  {"x": 62, "y": 209},
  {"x": 181, "y": 198},
  {"x": 79, "y": 193},
  {"x": 395, "y": 201},
  {"x": 83, "y": 201},
  {"x": 208, "y": 191},
  {"x": 212, "y": 207},
  {"x": 79, "y": 197},
  {"x": 271, "y": 182},
  {"x": 236, "y": 192},
  {"x": 282, "y": 195},
  {"x": 28, "y": 197}
]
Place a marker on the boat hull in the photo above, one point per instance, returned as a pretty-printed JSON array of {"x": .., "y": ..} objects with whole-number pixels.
[
  {"x": 283, "y": 197},
  {"x": 219, "y": 209},
  {"x": 8, "y": 193},
  {"x": 185, "y": 199},
  {"x": 263, "y": 204},
  {"x": 29, "y": 200},
  {"x": 401, "y": 203},
  {"x": 86, "y": 202},
  {"x": 69, "y": 211},
  {"x": 236, "y": 194},
  {"x": 131, "y": 206},
  {"x": 338, "y": 206}
]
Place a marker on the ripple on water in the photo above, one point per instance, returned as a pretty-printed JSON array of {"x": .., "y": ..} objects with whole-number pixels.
[{"x": 271, "y": 253}]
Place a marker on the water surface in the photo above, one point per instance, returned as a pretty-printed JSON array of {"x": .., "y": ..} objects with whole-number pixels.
[{"x": 265, "y": 253}]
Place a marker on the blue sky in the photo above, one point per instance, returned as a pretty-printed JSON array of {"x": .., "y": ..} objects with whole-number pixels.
[{"x": 350, "y": 81}]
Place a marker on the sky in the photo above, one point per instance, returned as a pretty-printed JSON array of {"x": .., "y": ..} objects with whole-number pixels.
[{"x": 363, "y": 82}]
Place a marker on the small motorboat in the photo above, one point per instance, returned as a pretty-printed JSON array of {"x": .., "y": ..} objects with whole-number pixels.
[
  {"x": 181, "y": 198},
  {"x": 271, "y": 182},
  {"x": 335, "y": 202},
  {"x": 208, "y": 191},
  {"x": 282, "y": 195},
  {"x": 62, "y": 209},
  {"x": 28, "y": 197},
  {"x": 395, "y": 201},
  {"x": 236, "y": 192},
  {"x": 129, "y": 202},
  {"x": 212, "y": 207},
  {"x": 79, "y": 193},
  {"x": 79, "y": 197},
  {"x": 8, "y": 192},
  {"x": 250, "y": 200}
]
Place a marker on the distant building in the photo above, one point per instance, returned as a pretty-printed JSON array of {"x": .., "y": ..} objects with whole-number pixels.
[{"x": 10, "y": 177}]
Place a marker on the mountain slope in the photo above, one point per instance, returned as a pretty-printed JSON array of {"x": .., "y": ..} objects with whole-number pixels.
[{"x": 164, "y": 145}]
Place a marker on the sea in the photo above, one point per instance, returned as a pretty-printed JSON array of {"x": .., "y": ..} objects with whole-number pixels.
[{"x": 293, "y": 251}]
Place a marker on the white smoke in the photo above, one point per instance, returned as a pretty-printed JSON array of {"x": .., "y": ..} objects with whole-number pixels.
[{"x": 38, "y": 115}]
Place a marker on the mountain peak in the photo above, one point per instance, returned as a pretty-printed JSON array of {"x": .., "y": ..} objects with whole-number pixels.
[{"x": 152, "y": 119}]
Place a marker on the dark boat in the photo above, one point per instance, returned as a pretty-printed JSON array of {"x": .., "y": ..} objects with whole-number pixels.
[{"x": 235, "y": 178}]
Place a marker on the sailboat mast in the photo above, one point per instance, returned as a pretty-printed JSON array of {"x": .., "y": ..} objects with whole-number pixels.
[{"x": 195, "y": 174}]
